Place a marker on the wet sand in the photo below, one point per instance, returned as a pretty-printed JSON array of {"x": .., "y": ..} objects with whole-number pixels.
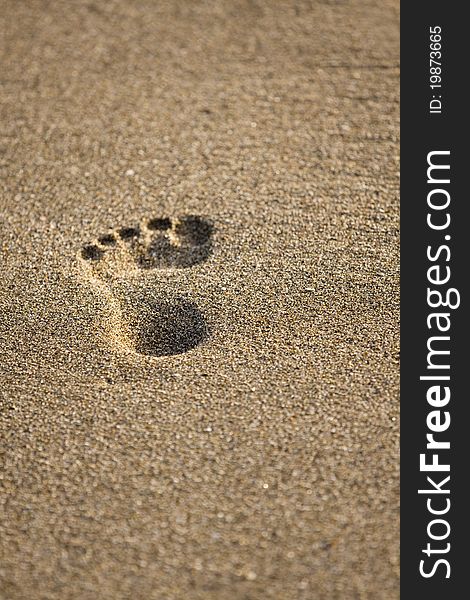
[{"x": 199, "y": 411}]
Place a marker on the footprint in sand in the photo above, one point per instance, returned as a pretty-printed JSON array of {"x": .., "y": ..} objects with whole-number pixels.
[{"x": 145, "y": 317}]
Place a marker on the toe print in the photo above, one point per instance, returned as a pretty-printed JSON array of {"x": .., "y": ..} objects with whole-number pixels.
[
  {"x": 107, "y": 240},
  {"x": 91, "y": 252},
  {"x": 129, "y": 233},
  {"x": 159, "y": 224},
  {"x": 152, "y": 324},
  {"x": 161, "y": 243},
  {"x": 182, "y": 243}
]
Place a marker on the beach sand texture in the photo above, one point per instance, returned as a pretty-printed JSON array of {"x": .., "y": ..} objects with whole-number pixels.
[{"x": 199, "y": 300}]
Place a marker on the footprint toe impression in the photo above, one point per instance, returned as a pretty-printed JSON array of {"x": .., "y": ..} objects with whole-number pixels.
[
  {"x": 92, "y": 252},
  {"x": 151, "y": 325},
  {"x": 181, "y": 243}
]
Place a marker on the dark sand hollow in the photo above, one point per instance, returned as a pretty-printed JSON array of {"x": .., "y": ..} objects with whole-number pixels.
[{"x": 202, "y": 411}]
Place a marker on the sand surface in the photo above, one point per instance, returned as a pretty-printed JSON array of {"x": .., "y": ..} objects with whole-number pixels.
[{"x": 261, "y": 462}]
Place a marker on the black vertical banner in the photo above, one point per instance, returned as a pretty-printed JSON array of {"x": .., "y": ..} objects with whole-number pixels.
[{"x": 435, "y": 435}]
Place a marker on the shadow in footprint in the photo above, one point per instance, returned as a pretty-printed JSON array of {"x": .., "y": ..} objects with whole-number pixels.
[{"x": 163, "y": 327}]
